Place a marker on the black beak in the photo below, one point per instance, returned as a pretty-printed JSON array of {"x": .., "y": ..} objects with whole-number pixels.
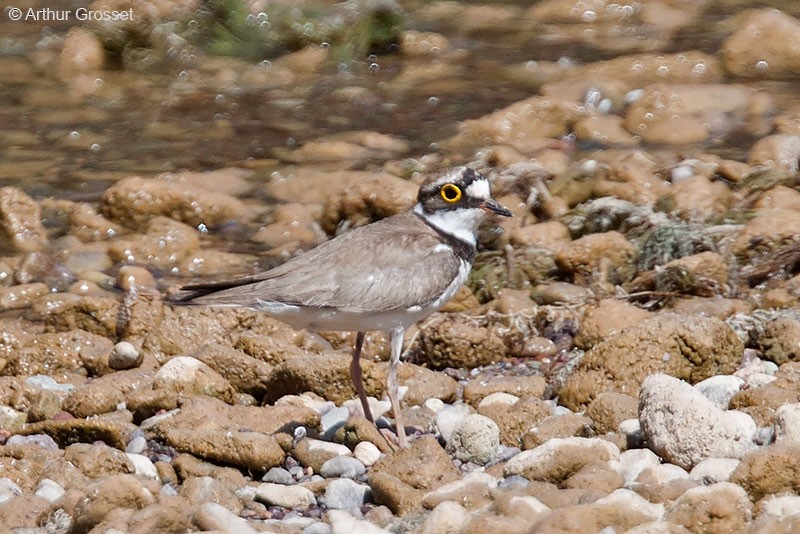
[{"x": 492, "y": 206}]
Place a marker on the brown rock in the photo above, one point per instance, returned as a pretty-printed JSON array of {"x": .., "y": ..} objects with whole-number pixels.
[
  {"x": 243, "y": 372},
  {"x": 161, "y": 517},
  {"x": 698, "y": 198},
  {"x": 21, "y": 228},
  {"x": 21, "y": 296},
  {"x": 558, "y": 426},
  {"x": 780, "y": 341},
  {"x": 765, "y": 45},
  {"x": 198, "y": 490},
  {"x": 778, "y": 197},
  {"x": 598, "y": 476},
  {"x": 605, "y": 319},
  {"x": 208, "y": 413},
  {"x": 515, "y": 421},
  {"x": 399, "y": 480},
  {"x": 165, "y": 245},
  {"x": 103, "y": 394},
  {"x": 608, "y": 253},
  {"x": 461, "y": 342},
  {"x": 247, "y": 450},
  {"x": 25, "y": 465},
  {"x": 551, "y": 234},
  {"x": 61, "y": 352},
  {"x": 769, "y": 470},
  {"x": 564, "y": 293},
  {"x": 110, "y": 494},
  {"x": 606, "y": 130},
  {"x": 762, "y": 402},
  {"x": 309, "y": 185},
  {"x": 80, "y": 220},
  {"x": 314, "y": 453},
  {"x": 134, "y": 201},
  {"x": 683, "y": 114},
  {"x": 98, "y": 460},
  {"x": 65, "y": 311},
  {"x": 113, "y": 429},
  {"x": 370, "y": 198},
  {"x": 187, "y": 466},
  {"x": 767, "y": 231},
  {"x": 328, "y": 375},
  {"x": 718, "y": 307},
  {"x": 472, "y": 492},
  {"x": 629, "y": 175},
  {"x": 721, "y": 507},
  {"x": 487, "y": 521},
  {"x": 609, "y": 409},
  {"x": 690, "y": 348},
  {"x": 705, "y": 265},
  {"x": 23, "y": 512},
  {"x": 82, "y": 53},
  {"x": 591, "y": 518},
  {"x": 188, "y": 376},
  {"x": 477, "y": 388},
  {"x": 780, "y": 151},
  {"x": 293, "y": 224},
  {"x": 558, "y": 459}
]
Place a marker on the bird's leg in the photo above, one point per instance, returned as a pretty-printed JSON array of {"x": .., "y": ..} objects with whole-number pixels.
[
  {"x": 355, "y": 375},
  {"x": 391, "y": 384}
]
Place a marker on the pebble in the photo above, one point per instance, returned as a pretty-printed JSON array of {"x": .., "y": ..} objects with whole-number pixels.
[
  {"x": 213, "y": 516},
  {"x": 124, "y": 356},
  {"x": 720, "y": 389},
  {"x": 447, "y": 517},
  {"x": 787, "y": 423},
  {"x": 36, "y": 440},
  {"x": 333, "y": 420},
  {"x": 317, "y": 528},
  {"x": 49, "y": 490},
  {"x": 279, "y": 475},
  {"x": 634, "y": 461},
  {"x": 448, "y": 418},
  {"x": 714, "y": 470},
  {"x": 144, "y": 467},
  {"x": 342, "y": 466},
  {"x": 344, "y": 523},
  {"x": 8, "y": 489},
  {"x": 476, "y": 438},
  {"x": 137, "y": 445},
  {"x": 367, "y": 453},
  {"x": 47, "y": 383},
  {"x": 346, "y": 494},
  {"x": 285, "y": 496}
]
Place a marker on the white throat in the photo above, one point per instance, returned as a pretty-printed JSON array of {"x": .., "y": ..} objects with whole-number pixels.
[{"x": 461, "y": 223}]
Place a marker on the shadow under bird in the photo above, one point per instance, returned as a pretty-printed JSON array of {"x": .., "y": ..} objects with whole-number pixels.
[{"x": 383, "y": 276}]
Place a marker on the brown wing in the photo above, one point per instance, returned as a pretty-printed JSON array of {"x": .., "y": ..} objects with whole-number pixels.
[{"x": 388, "y": 265}]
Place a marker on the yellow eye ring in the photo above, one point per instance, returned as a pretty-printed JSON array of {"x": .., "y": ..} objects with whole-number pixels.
[{"x": 451, "y": 193}]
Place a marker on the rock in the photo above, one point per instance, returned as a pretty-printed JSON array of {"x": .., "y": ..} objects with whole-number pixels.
[
  {"x": 315, "y": 453},
  {"x": 342, "y": 467},
  {"x": 98, "y": 460},
  {"x": 245, "y": 373},
  {"x": 713, "y": 470},
  {"x": 184, "y": 374},
  {"x": 124, "y": 356},
  {"x": 516, "y": 421},
  {"x": 278, "y": 475},
  {"x": 103, "y": 394},
  {"x": 21, "y": 228},
  {"x": 285, "y": 496},
  {"x": 399, "y": 478},
  {"x": 478, "y": 388},
  {"x": 344, "y": 523},
  {"x": 166, "y": 245},
  {"x": 49, "y": 490},
  {"x": 447, "y": 517},
  {"x": 767, "y": 231},
  {"x": 609, "y": 253},
  {"x": 449, "y": 417},
  {"x": 80, "y": 220},
  {"x": 59, "y": 352},
  {"x": 606, "y": 318},
  {"x": 367, "y": 453},
  {"x": 558, "y": 426},
  {"x": 12, "y": 420},
  {"x": 765, "y": 46},
  {"x": 634, "y": 461},
  {"x": 720, "y": 389},
  {"x": 609, "y": 409},
  {"x": 780, "y": 151},
  {"x": 199, "y": 489},
  {"x": 698, "y": 198},
  {"x": 328, "y": 375},
  {"x": 684, "y": 428},
  {"x": 135, "y": 201},
  {"x": 476, "y": 439},
  {"x": 211, "y": 516},
  {"x": 690, "y": 348},
  {"x": 553, "y": 293},
  {"x": 762, "y": 402},
  {"x": 551, "y": 234},
  {"x": 769, "y": 470},
  {"x": 787, "y": 424},
  {"x": 82, "y": 52},
  {"x": 247, "y": 450},
  {"x": 64, "y": 312},
  {"x": 721, "y": 507},
  {"x": 345, "y": 494},
  {"x": 21, "y": 296},
  {"x": 780, "y": 340},
  {"x": 109, "y": 494},
  {"x": 607, "y": 130},
  {"x": 598, "y": 476},
  {"x": 460, "y": 342},
  {"x": 558, "y": 459},
  {"x": 24, "y": 511}
]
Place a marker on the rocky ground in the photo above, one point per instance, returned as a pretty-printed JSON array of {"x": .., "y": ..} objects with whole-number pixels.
[{"x": 625, "y": 356}]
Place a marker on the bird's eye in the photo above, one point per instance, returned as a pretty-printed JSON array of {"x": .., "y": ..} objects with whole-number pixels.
[{"x": 451, "y": 193}]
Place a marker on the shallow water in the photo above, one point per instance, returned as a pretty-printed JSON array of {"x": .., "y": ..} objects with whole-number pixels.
[{"x": 71, "y": 140}]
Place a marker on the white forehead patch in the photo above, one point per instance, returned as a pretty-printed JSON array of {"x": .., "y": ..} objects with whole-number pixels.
[{"x": 479, "y": 189}]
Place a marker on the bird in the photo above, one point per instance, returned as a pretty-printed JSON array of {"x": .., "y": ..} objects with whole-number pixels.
[{"x": 384, "y": 276}]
